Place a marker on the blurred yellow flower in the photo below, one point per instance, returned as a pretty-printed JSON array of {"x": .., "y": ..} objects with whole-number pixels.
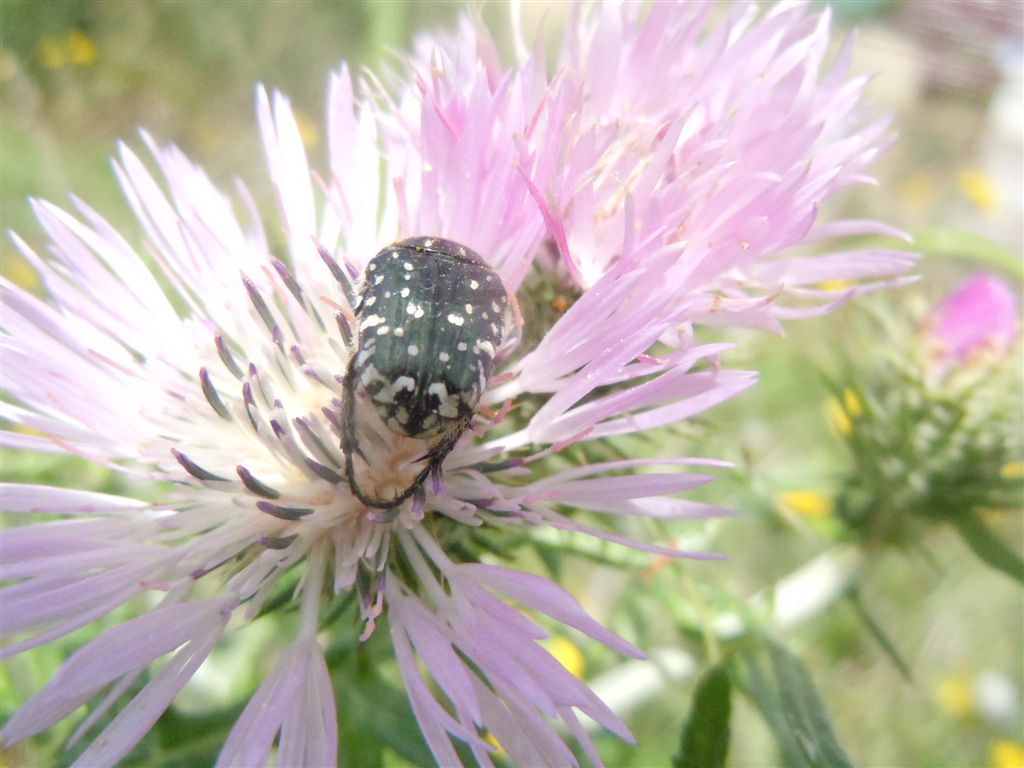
[
  {"x": 837, "y": 417},
  {"x": 836, "y": 285},
  {"x": 499, "y": 751},
  {"x": 567, "y": 653},
  {"x": 18, "y": 271},
  {"x": 1004, "y": 753},
  {"x": 27, "y": 429},
  {"x": 309, "y": 131},
  {"x": 1013, "y": 470},
  {"x": 807, "y": 503},
  {"x": 955, "y": 695},
  {"x": 978, "y": 189},
  {"x": 854, "y": 407},
  {"x": 81, "y": 48},
  {"x": 75, "y": 48}
]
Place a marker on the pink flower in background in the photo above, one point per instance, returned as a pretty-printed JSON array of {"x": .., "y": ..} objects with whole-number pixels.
[
  {"x": 981, "y": 316},
  {"x": 676, "y": 168}
]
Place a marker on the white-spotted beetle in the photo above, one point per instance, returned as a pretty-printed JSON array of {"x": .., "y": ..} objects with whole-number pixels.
[{"x": 431, "y": 315}]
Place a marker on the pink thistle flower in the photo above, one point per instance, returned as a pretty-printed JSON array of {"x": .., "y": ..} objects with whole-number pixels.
[
  {"x": 674, "y": 166},
  {"x": 979, "y": 317}
]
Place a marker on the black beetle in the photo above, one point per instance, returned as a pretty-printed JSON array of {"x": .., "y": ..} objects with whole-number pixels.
[{"x": 431, "y": 315}]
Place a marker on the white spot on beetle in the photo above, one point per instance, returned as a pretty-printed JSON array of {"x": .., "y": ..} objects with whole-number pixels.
[
  {"x": 404, "y": 293},
  {"x": 444, "y": 357},
  {"x": 462, "y": 346},
  {"x": 413, "y": 350},
  {"x": 455, "y": 319},
  {"x": 408, "y": 266},
  {"x": 399, "y": 331},
  {"x": 371, "y": 376},
  {"x": 469, "y": 309},
  {"x": 449, "y": 408},
  {"x": 384, "y": 395},
  {"x": 384, "y": 330},
  {"x": 404, "y": 382},
  {"x": 474, "y": 284}
]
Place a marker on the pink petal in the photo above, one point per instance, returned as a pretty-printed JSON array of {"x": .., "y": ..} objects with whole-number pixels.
[
  {"x": 138, "y": 716},
  {"x": 542, "y": 595},
  {"x": 298, "y": 685},
  {"x": 119, "y": 651}
]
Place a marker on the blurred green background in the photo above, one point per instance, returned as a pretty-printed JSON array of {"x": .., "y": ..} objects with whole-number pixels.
[{"x": 77, "y": 76}]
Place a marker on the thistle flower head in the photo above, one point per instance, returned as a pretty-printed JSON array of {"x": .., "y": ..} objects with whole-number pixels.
[
  {"x": 980, "y": 318},
  {"x": 934, "y": 427},
  {"x": 665, "y": 176}
]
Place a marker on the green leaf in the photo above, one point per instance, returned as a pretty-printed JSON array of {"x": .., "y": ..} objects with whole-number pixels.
[
  {"x": 880, "y": 635},
  {"x": 988, "y": 546},
  {"x": 753, "y": 674},
  {"x": 779, "y": 685},
  {"x": 968, "y": 246},
  {"x": 805, "y": 712},
  {"x": 186, "y": 740},
  {"x": 376, "y": 716},
  {"x": 705, "y": 741},
  {"x": 380, "y": 716}
]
